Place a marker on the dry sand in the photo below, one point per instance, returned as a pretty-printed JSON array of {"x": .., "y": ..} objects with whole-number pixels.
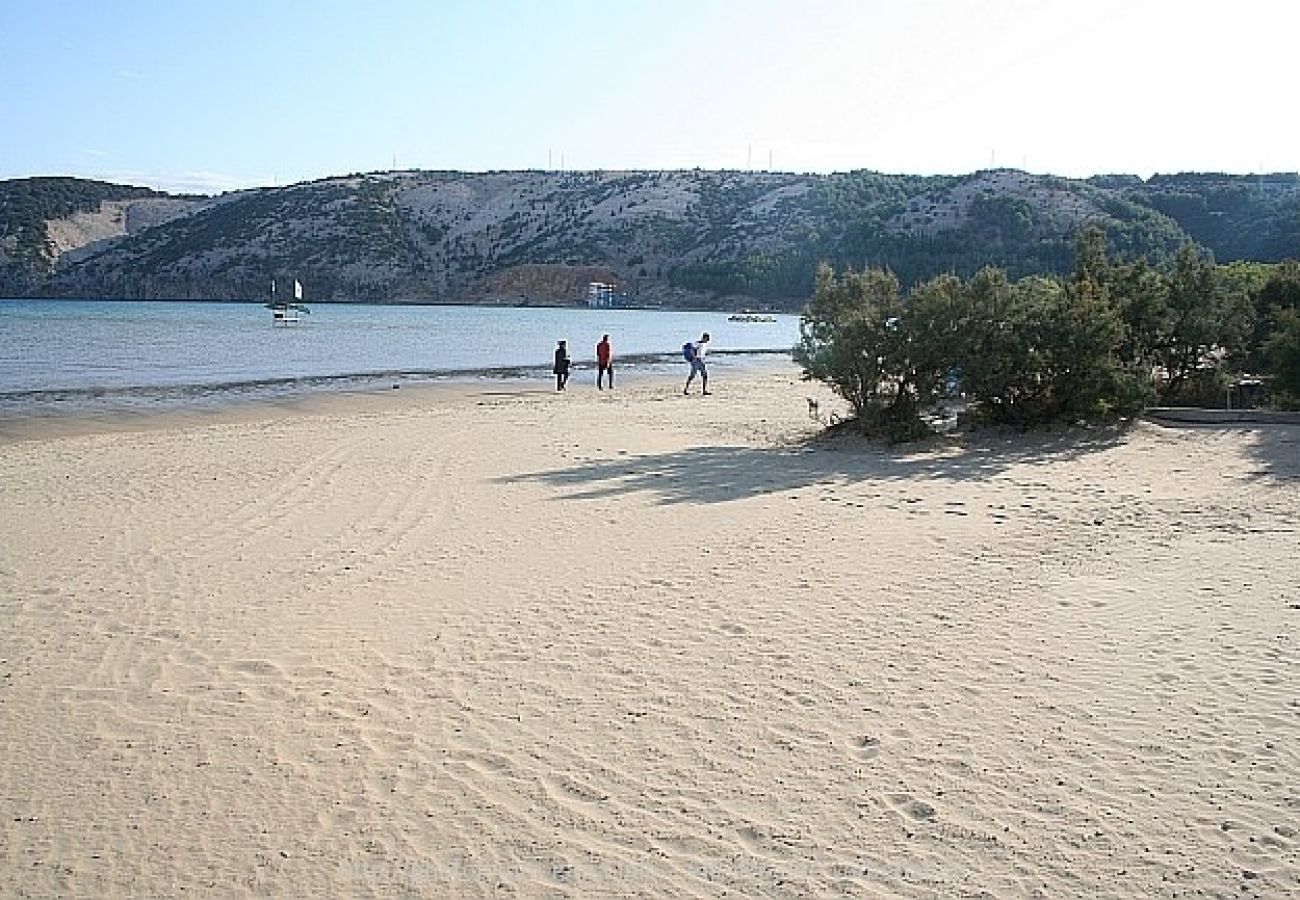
[{"x": 494, "y": 640}]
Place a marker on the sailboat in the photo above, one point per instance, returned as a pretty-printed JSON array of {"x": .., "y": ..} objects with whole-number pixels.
[{"x": 284, "y": 312}]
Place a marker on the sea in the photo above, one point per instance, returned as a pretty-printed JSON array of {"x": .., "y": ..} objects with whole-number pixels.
[{"x": 74, "y": 356}]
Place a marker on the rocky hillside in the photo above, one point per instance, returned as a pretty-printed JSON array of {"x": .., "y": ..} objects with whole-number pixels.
[
  {"x": 664, "y": 238},
  {"x": 48, "y": 222}
]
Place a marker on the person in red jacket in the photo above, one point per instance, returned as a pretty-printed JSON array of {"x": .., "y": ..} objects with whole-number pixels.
[{"x": 604, "y": 363}]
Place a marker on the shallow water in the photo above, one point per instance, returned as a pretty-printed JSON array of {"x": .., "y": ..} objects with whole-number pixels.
[{"x": 72, "y": 355}]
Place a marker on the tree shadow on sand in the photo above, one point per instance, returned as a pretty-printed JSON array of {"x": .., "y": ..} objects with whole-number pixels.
[
  {"x": 720, "y": 474},
  {"x": 1277, "y": 449}
]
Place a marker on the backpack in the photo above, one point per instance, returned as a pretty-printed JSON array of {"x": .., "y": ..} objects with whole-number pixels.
[{"x": 688, "y": 351}]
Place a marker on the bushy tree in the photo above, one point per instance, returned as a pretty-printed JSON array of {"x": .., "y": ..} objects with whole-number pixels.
[
  {"x": 996, "y": 358},
  {"x": 1092, "y": 380},
  {"x": 1099, "y": 345},
  {"x": 858, "y": 336},
  {"x": 1282, "y": 356},
  {"x": 1206, "y": 321},
  {"x": 1276, "y": 339},
  {"x": 1141, "y": 296},
  {"x": 1024, "y": 353},
  {"x": 1041, "y": 351}
]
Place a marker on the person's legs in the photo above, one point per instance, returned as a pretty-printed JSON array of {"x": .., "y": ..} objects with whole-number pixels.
[
  {"x": 697, "y": 365},
  {"x": 610, "y": 367}
]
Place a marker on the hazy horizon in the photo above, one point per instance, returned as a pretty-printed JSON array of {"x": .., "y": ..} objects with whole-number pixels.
[{"x": 376, "y": 172}]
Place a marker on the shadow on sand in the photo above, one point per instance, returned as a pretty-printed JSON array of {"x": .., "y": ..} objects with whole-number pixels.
[
  {"x": 1277, "y": 449},
  {"x": 720, "y": 474},
  {"x": 1274, "y": 435}
]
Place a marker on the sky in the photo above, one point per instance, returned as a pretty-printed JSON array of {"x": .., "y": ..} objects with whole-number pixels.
[{"x": 214, "y": 95}]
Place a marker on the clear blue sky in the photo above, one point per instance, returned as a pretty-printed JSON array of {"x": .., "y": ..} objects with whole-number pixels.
[{"x": 212, "y": 95}]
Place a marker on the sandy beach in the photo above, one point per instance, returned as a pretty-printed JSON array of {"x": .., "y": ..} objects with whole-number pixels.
[{"x": 491, "y": 640}]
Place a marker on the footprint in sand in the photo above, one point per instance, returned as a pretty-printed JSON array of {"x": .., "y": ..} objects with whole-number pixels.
[
  {"x": 752, "y": 839},
  {"x": 920, "y": 810},
  {"x": 867, "y": 747},
  {"x": 917, "y": 809},
  {"x": 257, "y": 667}
]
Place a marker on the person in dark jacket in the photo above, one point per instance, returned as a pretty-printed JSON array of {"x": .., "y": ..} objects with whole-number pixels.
[{"x": 562, "y": 364}]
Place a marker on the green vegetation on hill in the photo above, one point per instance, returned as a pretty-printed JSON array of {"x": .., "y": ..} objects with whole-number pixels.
[
  {"x": 684, "y": 237},
  {"x": 26, "y": 204},
  {"x": 1011, "y": 228},
  {"x": 1238, "y": 217}
]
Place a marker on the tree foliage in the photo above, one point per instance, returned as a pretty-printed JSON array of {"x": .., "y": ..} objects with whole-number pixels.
[
  {"x": 1099, "y": 345},
  {"x": 1281, "y": 350}
]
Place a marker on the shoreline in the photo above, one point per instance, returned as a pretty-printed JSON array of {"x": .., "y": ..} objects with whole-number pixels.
[
  {"x": 92, "y": 409},
  {"x": 742, "y": 305}
]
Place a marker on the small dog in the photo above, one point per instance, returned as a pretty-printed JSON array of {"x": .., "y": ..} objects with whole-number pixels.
[{"x": 814, "y": 411}]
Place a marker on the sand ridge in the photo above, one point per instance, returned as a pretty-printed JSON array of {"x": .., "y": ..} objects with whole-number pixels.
[{"x": 504, "y": 641}]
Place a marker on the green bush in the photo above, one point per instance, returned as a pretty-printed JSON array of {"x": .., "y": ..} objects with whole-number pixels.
[
  {"x": 1025, "y": 353},
  {"x": 1282, "y": 353},
  {"x": 853, "y": 337}
]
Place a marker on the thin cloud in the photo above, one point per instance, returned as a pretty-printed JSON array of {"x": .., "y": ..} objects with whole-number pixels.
[{"x": 187, "y": 182}]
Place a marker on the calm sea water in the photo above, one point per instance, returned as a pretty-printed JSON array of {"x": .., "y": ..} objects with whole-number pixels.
[{"x": 75, "y": 355}]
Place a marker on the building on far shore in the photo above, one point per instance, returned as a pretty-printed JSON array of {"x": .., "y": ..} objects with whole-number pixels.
[{"x": 601, "y": 295}]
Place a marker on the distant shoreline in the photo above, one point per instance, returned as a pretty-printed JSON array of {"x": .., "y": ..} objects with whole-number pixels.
[
  {"x": 27, "y": 413},
  {"x": 720, "y": 309}
]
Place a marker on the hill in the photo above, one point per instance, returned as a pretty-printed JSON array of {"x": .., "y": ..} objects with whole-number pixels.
[{"x": 674, "y": 238}]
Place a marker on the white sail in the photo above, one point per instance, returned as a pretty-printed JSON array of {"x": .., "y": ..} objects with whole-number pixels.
[{"x": 297, "y": 289}]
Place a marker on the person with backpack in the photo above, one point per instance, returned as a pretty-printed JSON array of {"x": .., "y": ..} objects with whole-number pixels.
[
  {"x": 693, "y": 353},
  {"x": 604, "y": 363},
  {"x": 561, "y": 367}
]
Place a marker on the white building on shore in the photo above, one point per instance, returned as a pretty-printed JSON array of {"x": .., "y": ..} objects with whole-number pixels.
[{"x": 600, "y": 295}]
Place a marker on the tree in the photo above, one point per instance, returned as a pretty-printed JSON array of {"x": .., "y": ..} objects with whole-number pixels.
[
  {"x": 997, "y": 361},
  {"x": 1282, "y": 354},
  {"x": 1205, "y": 323},
  {"x": 1275, "y": 348},
  {"x": 854, "y": 336},
  {"x": 1141, "y": 296},
  {"x": 1091, "y": 265},
  {"x": 1091, "y": 378},
  {"x": 1039, "y": 351},
  {"x": 1277, "y": 292}
]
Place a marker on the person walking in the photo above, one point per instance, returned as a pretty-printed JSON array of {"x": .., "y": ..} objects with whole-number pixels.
[
  {"x": 604, "y": 363},
  {"x": 561, "y": 367},
  {"x": 694, "y": 354}
]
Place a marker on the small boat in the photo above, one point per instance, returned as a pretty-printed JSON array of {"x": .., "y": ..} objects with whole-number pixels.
[
  {"x": 285, "y": 312},
  {"x": 750, "y": 317}
]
